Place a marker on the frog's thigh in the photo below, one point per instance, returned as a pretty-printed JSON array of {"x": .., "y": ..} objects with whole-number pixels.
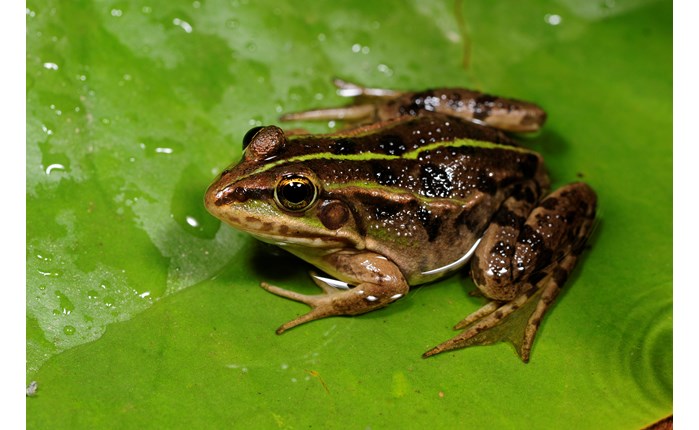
[
  {"x": 376, "y": 283},
  {"x": 510, "y": 259}
]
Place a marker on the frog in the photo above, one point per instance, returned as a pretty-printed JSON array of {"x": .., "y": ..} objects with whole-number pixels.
[{"x": 418, "y": 186}]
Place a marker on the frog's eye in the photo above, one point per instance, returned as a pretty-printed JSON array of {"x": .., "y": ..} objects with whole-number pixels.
[
  {"x": 295, "y": 193},
  {"x": 250, "y": 135}
]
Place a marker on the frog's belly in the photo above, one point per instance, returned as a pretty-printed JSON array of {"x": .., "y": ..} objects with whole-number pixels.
[
  {"x": 445, "y": 269},
  {"x": 425, "y": 262}
]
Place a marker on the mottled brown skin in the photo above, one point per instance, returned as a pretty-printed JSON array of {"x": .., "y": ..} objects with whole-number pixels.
[{"x": 392, "y": 207}]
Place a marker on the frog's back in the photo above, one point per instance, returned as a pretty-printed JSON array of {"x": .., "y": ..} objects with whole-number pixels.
[{"x": 422, "y": 190}]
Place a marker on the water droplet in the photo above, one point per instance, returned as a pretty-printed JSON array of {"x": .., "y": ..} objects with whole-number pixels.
[
  {"x": 64, "y": 303},
  {"x": 116, "y": 12},
  {"x": 385, "y": 69},
  {"x": 192, "y": 221},
  {"x": 31, "y": 13},
  {"x": 553, "y": 19},
  {"x": 69, "y": 330},
  {"x": 184, "y": 25},
  {"x": 321, "y": 37},
  {"x": 164, "y": 150},
  {"x": 146, "y": 9},
  {"x": 251, "y": 47},
  {"x": 144, "y": 295},
  {"x": 54, "y": 166},
  {"x": 51, "y": 66},
  {"x": 196, "y": 5},
  {"x": 356, "y": 47},
  {"x": 232, "y": 23}
]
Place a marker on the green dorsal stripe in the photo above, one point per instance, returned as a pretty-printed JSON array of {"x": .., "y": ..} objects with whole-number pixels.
[{"x": 410, "y": 155}]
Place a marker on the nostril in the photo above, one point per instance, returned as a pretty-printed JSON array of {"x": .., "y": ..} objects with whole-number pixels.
[
  {"x": 239, "y": 194},
  {"x": 230, "y": 194}
]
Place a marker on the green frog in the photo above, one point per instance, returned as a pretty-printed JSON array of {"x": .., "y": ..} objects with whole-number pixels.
[{"x": 423, "y": 184}]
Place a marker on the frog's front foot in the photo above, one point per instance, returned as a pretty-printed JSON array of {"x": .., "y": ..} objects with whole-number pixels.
[{"x": 378, "y": 283}]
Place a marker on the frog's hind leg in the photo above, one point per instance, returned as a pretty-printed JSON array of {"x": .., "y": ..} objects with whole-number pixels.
[
  {"x": 522, "y": 266},
  {"x": 516, "y": 321}
]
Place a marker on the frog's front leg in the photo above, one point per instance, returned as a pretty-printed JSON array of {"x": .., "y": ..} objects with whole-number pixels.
[
  {"x": 522, "y": 264},
  {"x": 374, "y": 282}
]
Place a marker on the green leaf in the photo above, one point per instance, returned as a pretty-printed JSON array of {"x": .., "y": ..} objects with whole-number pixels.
[{"x": 144, "y": 311}]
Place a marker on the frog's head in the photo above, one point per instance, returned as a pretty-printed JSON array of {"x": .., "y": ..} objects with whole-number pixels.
[{"x": 277, "y": 198}]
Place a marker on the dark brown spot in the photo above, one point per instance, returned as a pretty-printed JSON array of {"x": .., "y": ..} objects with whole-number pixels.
[
  {"x": 549, "y": 203},
  {"x": 344, "y": 147},
  {"x": 383, "y": 174},
  {"x": 502, "y": 249},
  {"x": 523, "y": 193},
  {"x": 333, "y": 214},
  {"x": 536, "y": 277},
  {"x": 432, "y": 224},
  {"x": 486, "y": 184},
  {"x": 507, "y": 218},
  {"x": 560, "y": 276},
  {"x": 483, "y": 105},
  {"x": 529, "y": 165},
  {"x": 435, "y": 181},
  {"x": 392, "y": 144}
]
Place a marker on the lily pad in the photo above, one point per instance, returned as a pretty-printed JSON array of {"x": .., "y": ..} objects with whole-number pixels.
[{"x": 145, "y": 311}]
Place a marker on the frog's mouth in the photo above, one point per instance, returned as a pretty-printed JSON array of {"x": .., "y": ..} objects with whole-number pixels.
[
  {"x": 287, "y": 234},
  {"x": 315, "y": 241}
]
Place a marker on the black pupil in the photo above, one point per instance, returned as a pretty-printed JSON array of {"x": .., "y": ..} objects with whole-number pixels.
[
  {"x": 296, "y": 191},
  {"x": 249, "y": 135}
]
